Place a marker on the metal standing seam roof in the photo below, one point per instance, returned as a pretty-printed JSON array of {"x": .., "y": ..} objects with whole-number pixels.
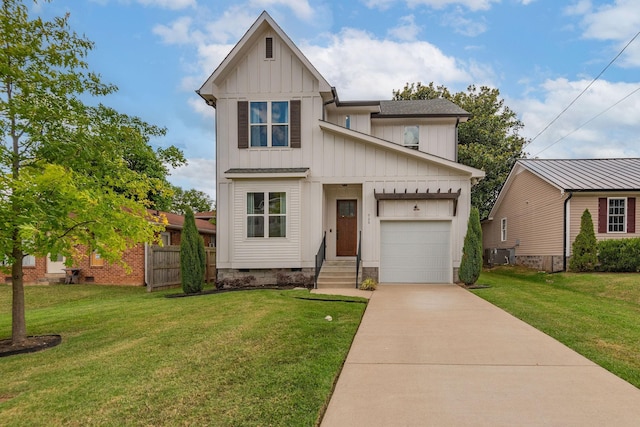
[
  {"x": 420, "y": 107},
  {"x": 588, "y": 174}
]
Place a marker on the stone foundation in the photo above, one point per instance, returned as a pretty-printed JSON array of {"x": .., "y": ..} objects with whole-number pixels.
[
  {"x": 370, "y": 273},
  {"x": 233, "y": 278},
  {"x": 548, "y": 263}
]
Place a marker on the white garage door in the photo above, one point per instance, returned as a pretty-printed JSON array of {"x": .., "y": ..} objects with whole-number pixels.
[{"x": 415, "y": 252}]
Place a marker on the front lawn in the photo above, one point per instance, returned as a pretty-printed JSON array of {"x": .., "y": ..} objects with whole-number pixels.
[
  {"x": 261, "y": 357},
  {"x": 598, "y": 315}
]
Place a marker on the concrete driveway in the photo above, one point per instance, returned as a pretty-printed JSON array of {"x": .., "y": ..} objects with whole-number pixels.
[{"x": 437, "y": 355}]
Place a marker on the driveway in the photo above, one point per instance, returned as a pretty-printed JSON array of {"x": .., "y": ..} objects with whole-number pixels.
[{"x": 437, "y": 355}]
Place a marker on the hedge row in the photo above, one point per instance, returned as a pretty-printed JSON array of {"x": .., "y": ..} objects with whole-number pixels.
[{"x": 621, "y": 255}]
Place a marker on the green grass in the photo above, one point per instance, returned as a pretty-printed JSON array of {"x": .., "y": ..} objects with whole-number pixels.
[
  {"x": 259, "y": 357},
  {"x": 598, "y": 315}
]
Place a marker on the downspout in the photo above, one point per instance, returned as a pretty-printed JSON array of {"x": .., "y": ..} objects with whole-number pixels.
[{"x": 566, "y": 227}]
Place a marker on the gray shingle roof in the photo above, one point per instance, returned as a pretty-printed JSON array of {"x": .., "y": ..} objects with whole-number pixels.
[
  {"x": 422, "y": 107},
  {"x": 587, "y": 174}
]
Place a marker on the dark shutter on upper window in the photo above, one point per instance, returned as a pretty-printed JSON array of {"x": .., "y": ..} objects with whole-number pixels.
[
  {"x": 602, "y": 215},
  {"x": 268, "y": 48},
  {"x": 631, "y": 215},
  {"x": 243, "y": 124},
  {"x": 295, "y": 124}
]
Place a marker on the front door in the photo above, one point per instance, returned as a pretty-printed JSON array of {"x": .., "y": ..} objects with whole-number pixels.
[{"x": 347, "y": 228}]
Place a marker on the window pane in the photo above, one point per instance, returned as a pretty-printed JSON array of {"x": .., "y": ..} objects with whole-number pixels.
[
  {"x": 280, "y": 136},
  {"x": 255, "y": 226},
  {"x": 258, "y": 112},
  {"x": 277, "y": 226},
  {"x": 259, "y": 136},
  {"x": 411, "y": 136},
  {"x": 277, "y": 203},
  {"x": 29, "y": 261},
  {"x": 255, "y": 203},
  {"x": 280, "y": 112},
  {"x": 347, "y": 208}
]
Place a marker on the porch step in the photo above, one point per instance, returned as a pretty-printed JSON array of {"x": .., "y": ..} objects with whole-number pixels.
[{"x": 338, "y": 274}]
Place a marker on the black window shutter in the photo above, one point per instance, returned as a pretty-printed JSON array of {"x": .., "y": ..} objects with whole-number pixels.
[
  {"x": 269, "y": 47},
  {"x": 603, "y": 207},
  {"x": 295, "y": 124},
  {"x": 243, "y": 124},
  {"x": 631, "y": 215}
]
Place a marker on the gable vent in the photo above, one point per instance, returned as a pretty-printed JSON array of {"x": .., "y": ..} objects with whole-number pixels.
[{"x": 269, "y": 48}]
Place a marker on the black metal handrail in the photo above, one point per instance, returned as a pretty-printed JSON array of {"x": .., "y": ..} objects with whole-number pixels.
[
  {"x": 320, "y": 256},
  {"x": 358, "y": 256}
]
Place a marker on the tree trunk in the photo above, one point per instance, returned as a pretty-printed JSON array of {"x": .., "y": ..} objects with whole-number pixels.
[{"x": 18, "y": 325}]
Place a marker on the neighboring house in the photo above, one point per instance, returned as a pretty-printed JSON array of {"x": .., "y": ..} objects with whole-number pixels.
[
  {"x": 295, "y": 163},
  {"x": 93, "y": 269},
  {"x": 537, "y": 214}
]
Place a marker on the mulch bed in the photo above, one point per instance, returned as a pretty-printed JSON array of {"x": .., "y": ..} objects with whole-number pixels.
[{"x": 30, "y": 345}]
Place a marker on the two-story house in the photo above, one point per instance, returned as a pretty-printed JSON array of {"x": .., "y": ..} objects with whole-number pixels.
[{"x": 296, "y": 165}]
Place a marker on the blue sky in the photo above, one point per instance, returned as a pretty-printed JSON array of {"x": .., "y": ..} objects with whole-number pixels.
[{"x": 540, "y": 54}]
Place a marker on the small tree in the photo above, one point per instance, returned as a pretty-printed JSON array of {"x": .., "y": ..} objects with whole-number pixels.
[
  {"x": 192, "y": 256},
  {"x": 471, "y": 263},
  {"x": 585, "y": 247}
]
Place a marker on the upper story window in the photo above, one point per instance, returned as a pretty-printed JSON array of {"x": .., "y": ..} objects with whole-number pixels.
[
  {"x": 267, "y": 214},
  {"x": 347, "y": 122},
  {"x": 616, "y": 218},
  {"x": 412, "y": 137},
  {"x": 269, "y": 124},
  {"x": 503, "y": 230}
]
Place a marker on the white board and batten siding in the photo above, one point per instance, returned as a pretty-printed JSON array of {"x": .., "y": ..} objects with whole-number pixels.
[
  {"x": 256, "y": 252},
  {"x": 434, "y": 136}
]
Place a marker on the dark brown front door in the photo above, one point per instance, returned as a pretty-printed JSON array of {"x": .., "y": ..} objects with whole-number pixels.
[{"x": 347, "y": 228}]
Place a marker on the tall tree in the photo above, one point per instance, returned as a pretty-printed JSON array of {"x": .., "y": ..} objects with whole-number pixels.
[
  {"x": 489, "y": 140},
  {"x": 192, "y": 256},
  {"x": 196, "y": 200},
  {"x": 65, "y": 177}
]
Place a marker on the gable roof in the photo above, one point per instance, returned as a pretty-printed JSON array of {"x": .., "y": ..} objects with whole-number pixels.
[
  {"x": 578, "y": 175},
  {"x": 419, "y": 108},
  {"x": 264, "y": 21},
  {"x": 587, "y": 174}
]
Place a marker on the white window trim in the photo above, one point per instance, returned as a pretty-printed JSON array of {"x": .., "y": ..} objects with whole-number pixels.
[
  {"x": 165, "y": 235},
  {"x": 266, "y": 215},
  {"x": 503, "y": 230},
  {"x": 270, "y": 124},
  {"x": 624, "y": 215}
]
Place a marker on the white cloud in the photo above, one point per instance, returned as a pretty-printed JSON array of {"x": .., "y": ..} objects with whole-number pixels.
[
  {"x": 617, "y": 21},
  {"x": 178, "y": 32},
  {"x": 407, "y": 30},
  {"x": 465, "y": 26},
  {"x": 612, "y": 134},
  {"x": 363, "y": 67},
  {"x": 199, "y": 174}
]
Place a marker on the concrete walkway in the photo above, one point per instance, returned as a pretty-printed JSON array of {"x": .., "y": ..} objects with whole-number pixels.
[{"x": 437, "y": 355}]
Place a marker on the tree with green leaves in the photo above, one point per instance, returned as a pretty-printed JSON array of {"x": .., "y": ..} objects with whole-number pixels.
[
  {"x": 66, "y": 179},
  {"x": 584, "y": 251},
  {"x": 196, "y": 200},
  {"x": 489, "y": 140},
  {"x": 192, "y": 256},
  {"x": 471, "y": 263}
]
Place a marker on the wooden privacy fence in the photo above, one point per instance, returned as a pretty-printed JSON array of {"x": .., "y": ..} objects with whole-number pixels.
[{"x": 163, "y": 266}]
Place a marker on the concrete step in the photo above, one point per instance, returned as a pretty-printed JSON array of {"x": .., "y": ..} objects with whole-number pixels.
[{"x": 337, "y": 274}]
